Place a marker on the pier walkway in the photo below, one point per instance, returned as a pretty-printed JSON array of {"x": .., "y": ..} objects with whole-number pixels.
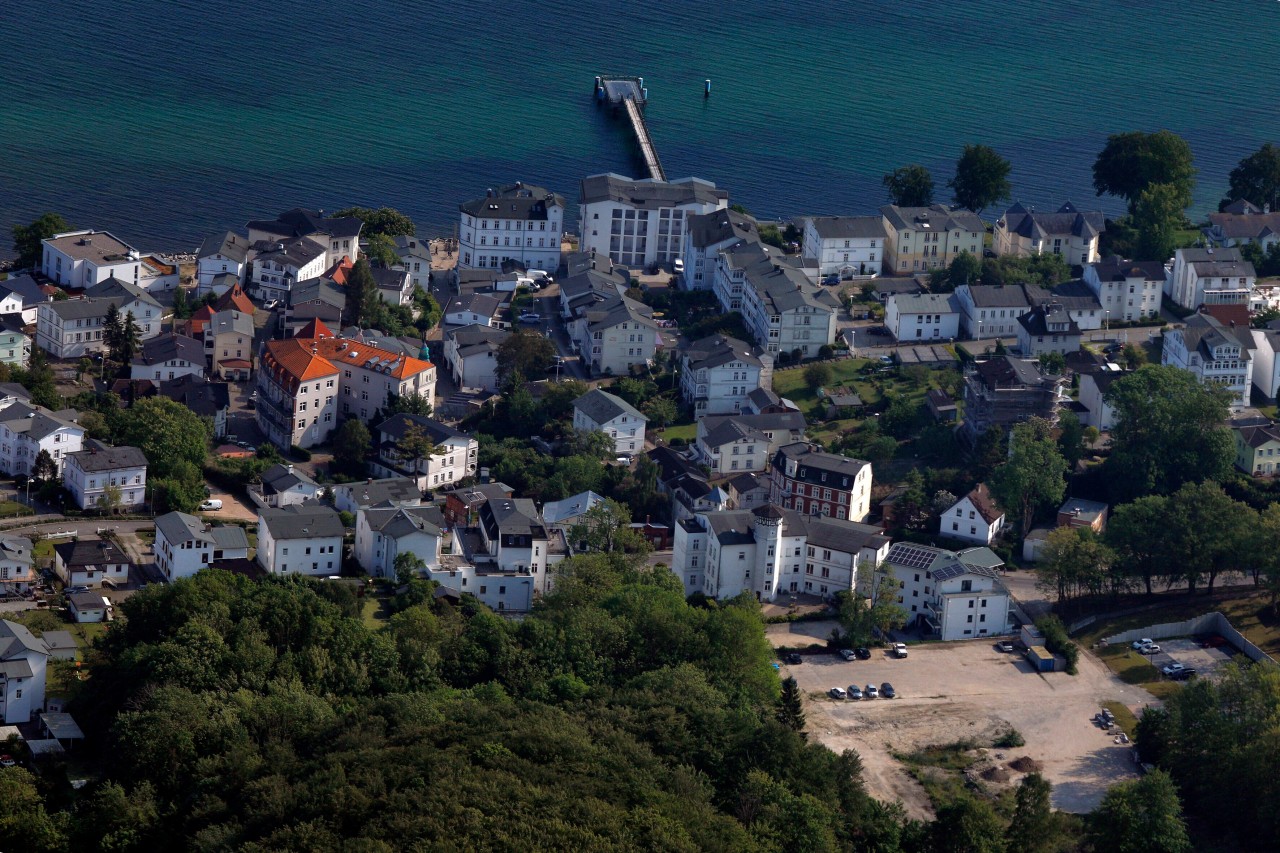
[{"x": 631, "y": 95}]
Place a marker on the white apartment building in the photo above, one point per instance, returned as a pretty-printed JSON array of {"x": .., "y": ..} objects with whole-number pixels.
[
  {"x": 773, "y": 553},
  {"x": 732, "y": 444},
  {"x": 81, "y": 259},
  {"x": 219, "y": 255},
  {"x": 1093, "y": 396},
  {"x": 1266, "y": 366},
  {"x": 952, "y": 595},
  {"x": 641, "y": 222},
  {"x": 974, "y": 518},
  {"x": 1216, "y": 353},
  {"x": 383, "y": 533},
  {"x": 297, "y": 539},
  {"x": 515, "y": 539},
  {"x": 72, "y": 328},
  {"x": 846, "y": 246},
  {"x": 415, "y": 259},
  {"x": 922, "y": 316},
  {"x": 926, "y": 238},
  {"x": 1241, "y": 223},
  {"x": 1069, "y": 233},
  {"x": 283, "y": 485},
  {"x": 338, "y": 236},
  {"x": 471, "y": 353},
  {"x": 88, "y": 473},
  {"x": 169, "y": 357},
  {"x": 23, "y": 660},
  {"x": 388, "y": 491},
  {"x": 1127, "y": 290},
  {"x": 709, "y": 233},
  {"x": 600, "y": 411},
  {"x": 1047, "y": 328},
  {"x": 991, "y": 310},
  {"x": 779, "y": 305},
  {"x": 520, "y": 223},
  {"x": 718, "y": 372},
  {"x": 277, "y": 267},
  {"x": 1210, "y": 277},
  {"x": 90, "y": 562},
  {"x": 21, "y": 294},
  {"x": 455, "y": 458},
  {"x": 185, "y": 544},
  {"x": 17, "y": 564},
  {"x": 25, "y": 430},
  {"x": 614, "y": 335}
]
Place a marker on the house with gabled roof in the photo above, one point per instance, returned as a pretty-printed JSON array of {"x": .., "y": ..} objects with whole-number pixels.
[
  {"x": 1004, "y": 390},
  {"x": 519, "y": 222},
  {"x": 810, "y": 481},
  {"x": 1047, "y": 328},
  {"x": 383, "y": 533},
  {"x": 1126, "y": 290},
  {"x": 303, "y": 539},
  {"x": 471, "y": 353},
  {"x": 21, "y": 295},
  {"x": 88, "y": 473},
  {"x": 168, "y": 357},
  {"x": 1070, "y": 233},
  {"x": 952, "y": 595},
  {"x": 23, "y": 658},
  {"x": 923, "y": 317},
  {"x": 283, "y": 485},
  {"x": 1257, "y": 449},
  {"x": 973, "y": 518},
  {"x": 1209, "y": 276},
  {"x": 455, "y": 458},
  {"x": 614, "y": 334},
  {"x": 847, "y": 246},
  {"x": 207, "y": 399},
  {"x": 337, "y": 236},
  {"x": 225, "y": 254},
  {"x": 729, "y": 444},
  {"x": 186, "y": 544},
  {"x": 17, "y": 564},
  {"x": 925, "y": 238},
  {"x": 708, "y": 234},
  {"x": 72, "y": 328},
  {"x": 1241, "y": 223},
  {"x": 1218, "y": 354},
  {"x": 718, "y": 372},
  {"x": 90, "y": 563},
  {"x": 600, "y": 411},
  {"x": 278, "y": 266},
  {"x": 25, "y": 430},
  {"x": 415, "y": 259}
]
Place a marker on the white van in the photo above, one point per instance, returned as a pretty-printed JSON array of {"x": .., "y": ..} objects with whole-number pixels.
[
  {"x": 540, "y": 276},
  {"x": 212, "y": 504}
]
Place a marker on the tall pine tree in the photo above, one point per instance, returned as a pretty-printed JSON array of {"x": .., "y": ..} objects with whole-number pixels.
[{"x": 790, "y": 710}]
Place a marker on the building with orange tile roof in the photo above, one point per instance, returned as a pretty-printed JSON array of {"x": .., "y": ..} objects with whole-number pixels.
[
  {"x": 310, "y": 383},
  {"x": 235, "y": 299}
]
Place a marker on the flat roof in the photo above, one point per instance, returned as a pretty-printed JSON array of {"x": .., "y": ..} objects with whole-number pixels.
[{"x": 96, "y": 246}]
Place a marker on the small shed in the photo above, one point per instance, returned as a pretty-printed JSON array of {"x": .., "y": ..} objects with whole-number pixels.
[
  {"x": 840, "y": 397},
  {"x": 1034, "y": 543},
  {"x": 1078, "y": 512},
  {"x": 61, "y": 727},
  {"x": 61, "y": 645},
  {"x": 941, "y": 405},
  {"x": 1030, "y": 635},
  {"x": 1041, "y": 658},
  {"x": 89, "y": 607}
]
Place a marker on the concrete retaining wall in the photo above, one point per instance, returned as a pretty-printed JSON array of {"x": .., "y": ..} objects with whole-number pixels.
[{"x": 1208, "y": 623}]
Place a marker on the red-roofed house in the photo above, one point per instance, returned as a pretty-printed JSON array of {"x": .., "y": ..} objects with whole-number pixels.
[
  {"x": 339, "y": 271},
  {"x": 234, "y": 299},
  {"x": 310, "y": 383}
]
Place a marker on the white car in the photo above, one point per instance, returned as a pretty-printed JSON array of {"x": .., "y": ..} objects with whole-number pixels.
[
  {"x": 900, "y": 649},
  {"x": 836, "y": 692},
  {"x": 1150, "y": 649},
  {"x": 1173, "y": 668},
  {"x": 531, "y": 317},
  {"x": 1139, "y": 644},
  {"x": 210, "y": 505},
  {"x": 677, "y": 266}
]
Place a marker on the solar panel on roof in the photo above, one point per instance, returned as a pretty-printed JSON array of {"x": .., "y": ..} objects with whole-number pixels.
[
  {"x": 947, "y": 572},
  {"x": 910, "y": 557}
]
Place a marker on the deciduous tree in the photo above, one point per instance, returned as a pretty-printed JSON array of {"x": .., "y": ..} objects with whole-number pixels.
[
  {"x": 817, "y": 375},
  {"x": 351, "y": 447},
  {"x": 1256, "y": 179},
  {"x": 981, "y": 179},
  {"x": 1033, "y": 475},
  {"x": 1142, "y": 816},
  {"x": 384, "y": 220},
  {"x": 1132, "y": 162},
  {"x": 27, "y": 238},
  {"x": 1031, "y": 829},
  {"x": 1158, "y": 211},
  {"x": 526, "y": 353},
  {"x": 909, "y": 186}
]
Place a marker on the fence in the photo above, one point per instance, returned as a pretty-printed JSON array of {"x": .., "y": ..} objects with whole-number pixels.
[{"x": 1207, "y": 623}]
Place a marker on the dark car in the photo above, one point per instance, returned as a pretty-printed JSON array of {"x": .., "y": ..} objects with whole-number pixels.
[
  {"x": 878, "y": 331},
  {"x": 792, "y": 659},
  {"x": 1183, "y": 674},
  {"x": 887, "y": 691},
  {"x": 831, "y": 279},
  {"x": 863, "y": 653}
]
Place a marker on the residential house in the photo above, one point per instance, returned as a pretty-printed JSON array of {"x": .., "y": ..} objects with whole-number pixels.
[
  {"x": 773, "y": 553},
  {"x": 779, "y": 305},
  {"x": 81, "y": 259},
  {"x": 806, "y": 479},
  {"x": 708, "y": 234},
  {"x": 1076, "y": 299},
  {"x": 1128, "y": 291},
  {"x": 23, "y": 659},
  {"x": 718, "y": 372},
  {"x": 638, "y": 223},
  {"x": 220, "y": 255},
  {"x": 15, "y": 343},
  {"x": 729, "y": 444},
  {"x": 73, "y": 328},
  {"x": 520, "y": 223},
  {"x": 923, "y": 317},
  {"x": 562, "y": 515},
  {"x": 25, "y": 430},
  {"x": 471, "y": 354},
  {"x": 338, "y": 236},
  {"x": 591, "y": 279},
  {"x": 383, "y": 533},
  {"x": 169, "y": 357},
  {"x": 1081, "y": 513},
  {"x": 941, "y": 405},
  {"x": 157, "y": 275},
  {"x": 479, "y": 308},
  {"x": 209, "y": 400},
  {"x": 228, "y": 343},
  {"x": 300, "y": 539},
  {"x": 395, "y": 286},
  {"x": 1093, "y": 395},
  {"x": 85, "y": 607},
  {"x": 87, "y": 474},
  {"x": 1266, "y": 367},
  {"x": 315, "y": 299},
  {"x": 847, "y": 246},
  {"x": 973, "y": 518},
  {"x": 600, "y": 411},
  {"x": 925, "y": 238},
  {"x": 886, "y": 286},
  {"x": 17, "y": 565},
  {"x": 307, "y": 383},
  {"x": 388, "y": 491},
  {"x": 1216, "y": 353},
  {"x": 1047, "y": 328},
  {"x": 61, "y": 645},
  {"x": 763, "y": 401},
  {"x": 681, "y": 479},
  {"x": 283, "y": 485},
  {"x": 1069, "y": 233},
  {"x": 515, "y": 539},
  {"x": 462, "y": 505},
  {"x": 991, "y": 310},
  {"x": 278, "y": 266},
  {"x": 1004, "y": 390},
  {"x": 1258, "y": 449},
  {"x": 185, "y": 544},
  {"x": 454, "y": 459},
  {"x": 615, "y": 335},
  {"x": 952, "y": 595},
  {"x": 415, "y": 259},
  {"x": 90, "y": 563},
  {"x": 21, "y": 294},
  {"x": 1210, "y": 277},
  {"x": 1242, "y": 223},
  {"x": 748, "y": 491}
]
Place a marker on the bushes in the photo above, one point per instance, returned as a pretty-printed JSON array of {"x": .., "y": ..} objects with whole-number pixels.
[
  {"x": 1057, "y": 641},
  {"x": 300, "y": 452},
  {"x": 1011, "y": 739}
]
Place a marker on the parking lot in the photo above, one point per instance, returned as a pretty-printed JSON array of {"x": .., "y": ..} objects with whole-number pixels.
[
  {"x": 1205, "y": 661},
  {"x": 958, "y": 691}
]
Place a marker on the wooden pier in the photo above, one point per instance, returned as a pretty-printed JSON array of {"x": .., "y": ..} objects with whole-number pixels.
[{"x": 631, "y": 94}]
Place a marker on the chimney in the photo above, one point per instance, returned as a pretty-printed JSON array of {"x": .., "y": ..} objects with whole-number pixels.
[{"x": 290, "y": 468}]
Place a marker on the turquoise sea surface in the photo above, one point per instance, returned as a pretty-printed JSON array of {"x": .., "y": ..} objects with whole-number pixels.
[{"x": 163, "y": 120}]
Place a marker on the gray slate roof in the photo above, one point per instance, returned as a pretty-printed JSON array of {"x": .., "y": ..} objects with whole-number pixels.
[
  {"x": 299, "y": 222},
  {"x": 302, "y": 521},
  {"x": 517, "y": 201},
  {"x": 170, "y": 347},
  {"x": 35, "y": 421},
  {"x": 1026, "y": 222},
  {"x": 936, "y": 217},
  {"x": 648, "y": 194},
  {"x": 719, "y": 226},
  {"x": 716, "y": 350},
  {"x": 389, "y": 490},
  {"x": 16, "y": 641},
  {"x": 230, "y": 245},
  {"x": 197, "y": 393},
  {"x": 926, "y": 303},
  {"x": 281, "y": 478},
  {"x": 401, "y": 521},
  {"x": 849, "y": 227},
  {"x": 602, "y": 407},
  {"x": 26, "y": 287},
  {"x": 97, "y": 457}
]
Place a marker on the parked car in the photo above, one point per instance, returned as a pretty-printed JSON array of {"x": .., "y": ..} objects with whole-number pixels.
[
  {"x": 886, "y": 359},
  {"x": 1004, "y": 646},
  {"x": 1145, "y": 641},
  {"x": 847, "y": 654},
  {"x": 792, "y": 658},
  {"x": 855, "y": 692},
  {"x": 836, "y": 692},
  {"x": 531, "y": 317},
  {"x": 677, "y": 266},
  {"x": 1183, "y": 674},
  {"x": 1151, "y": 649},
  {"x": 7, "y": 761},
  {"x": 870, "y": 691},
  {"x": 900, "y": 650},
  {"x": 831, "y": 279},
  {"x": 863, "y": 653},
  {"x": 1173, "y": 668},
  {"x": 211, "y": 504},
  {"x": 878, "y": 331},
  {"x": 887, "y": 691}
]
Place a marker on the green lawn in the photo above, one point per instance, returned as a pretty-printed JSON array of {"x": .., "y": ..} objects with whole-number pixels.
[
  {"x": 13, "y": 509},
  {"x": 1250, "y": 614},
  {"x": 688, "y": 432},
  {"x": 375, "y": 610},
  {"x": 790, "y": 382}
]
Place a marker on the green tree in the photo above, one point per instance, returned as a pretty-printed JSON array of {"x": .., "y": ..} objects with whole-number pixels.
[
  {"x": 414, "y": 403},
  {"x": 25, "y": 823},
  {"x": 661, "y": 411},
  {"x": 167, "y": 433},
  {"x": 1070, "y": 435},
  {"x": 1031, "y": 830},
  {"x": 817, "y": 375},
  {"x": 384, "y": 220},
  {"x": 45, "y": 469},
  {"x": 968, "y": 825},
  {"x": 351, "y": 447},
  {"x": 605, "y": 527},
  {"x": 362, "y": 293},
  {"x": 1135, "y": 534},
  {"x": 790, "y": 706},
  {"x": 1074, "y": 562},
  {"x": 1133, "y": 356},
  {"x": 128, "y": 342},
  {"x": 1256, "y": 179},
  {"x": 1132, "y": 162},
  {"x": 429, "y": 311},
  {"x": 965, "y": 269},
  {"x": 909, "y": 186},
  {"x": 861, "y": 615},
  {"x": 1157, "y": 214},
  {"x": 416, "y": 445},
  {"x": 112, "y": 329},
  {"x": 981, "y": 179},
  {"x": 593, "y": 443},
  {"x": 27, "y": 238},
  {"x": 181, "y": 307},
  {"x": 110, "y": 499},
  {"x": 525, "y": 353},
  {"x": 1053, "y": 362},
  {"x": 1142, "y": 816},
  {"x": 382, "y": 249},
  {"x": 1168, "y": 430},
  {"x": 1033, "y": 475}
]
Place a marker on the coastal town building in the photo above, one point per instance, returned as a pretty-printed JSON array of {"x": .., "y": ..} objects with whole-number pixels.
[
  {"x": 220, "y": 256},
  {"x": 778, "y": 303},
  {"x": 471, "y": 354},
  {"x": 1128, "y": 291},
  {"x": 951, "y": 595},
  {"x": 613, "y": 335},
  {"x": 923, "y": 317},
  {"x": 90, "y": 563},
  {"x": 25, "y": 430},
  {"x": 17, "y": 565},
  {"x": 23, "y": 661},
  {"x": 278, "y": 266},
  {"x": 1257, "y": 449},
  {"x": 600, "y": 411},
  {"x": 1005, "y": 390},
  {"x": 21, "y": 295},
  {"x": 320, "y": 299},
  {"x": 844, "y": 246},
  {"x": 415, "y": 259},
  {"x": 73, "y": 328},
  {"x": 718, "y": 372},
  {"x": 1093, "y": 396},
  {"x": 991, "y": 310},
  {"x": 228, "y": 345},
  {"x": 388, "y": 491},
  {"x": 168, "y": 357},
  {"x": 708, "y": 234},
  {"x": 283, "y": 485},
  {"x": 925, "y": 238},
  {"x": 453, "y": 455},
  {"x": 1266, "y": 365},
  {"x": 186, "y": 544},
  {"x": 1210, "y": 277},
  {"x": 80, "y": 259},
  {"x": 383, "y": 533},
  {"x": 395, "y": 287},
  {"x": 973, "y": 518},
  {"x": 300, "y": 539},
  {"x": 100, "y": 476},
  {"x": 338, "y": 236},
  {"x": 210, "y": 400},
  {"x": 640, "y": 222},
  {"x": 1069, "y": 233},
  {"x": 15, "y": 343},
  {"x": 1216, "y": 353},
  {"x": 1047, "y": 328},
  {"x": 479, "y": 308},
  {"x": 520, "y": 223},
  {"x": 1242, "y": 223},
  {"x": 730, "y": 444},
  {"x": 804, "y": 478}
]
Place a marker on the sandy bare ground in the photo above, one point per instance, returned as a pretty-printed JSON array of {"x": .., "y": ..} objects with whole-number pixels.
[{"x": 969, "y": 691}]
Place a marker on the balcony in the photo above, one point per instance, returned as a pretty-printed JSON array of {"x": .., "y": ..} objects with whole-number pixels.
[{"x": 275, "y": 414}]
